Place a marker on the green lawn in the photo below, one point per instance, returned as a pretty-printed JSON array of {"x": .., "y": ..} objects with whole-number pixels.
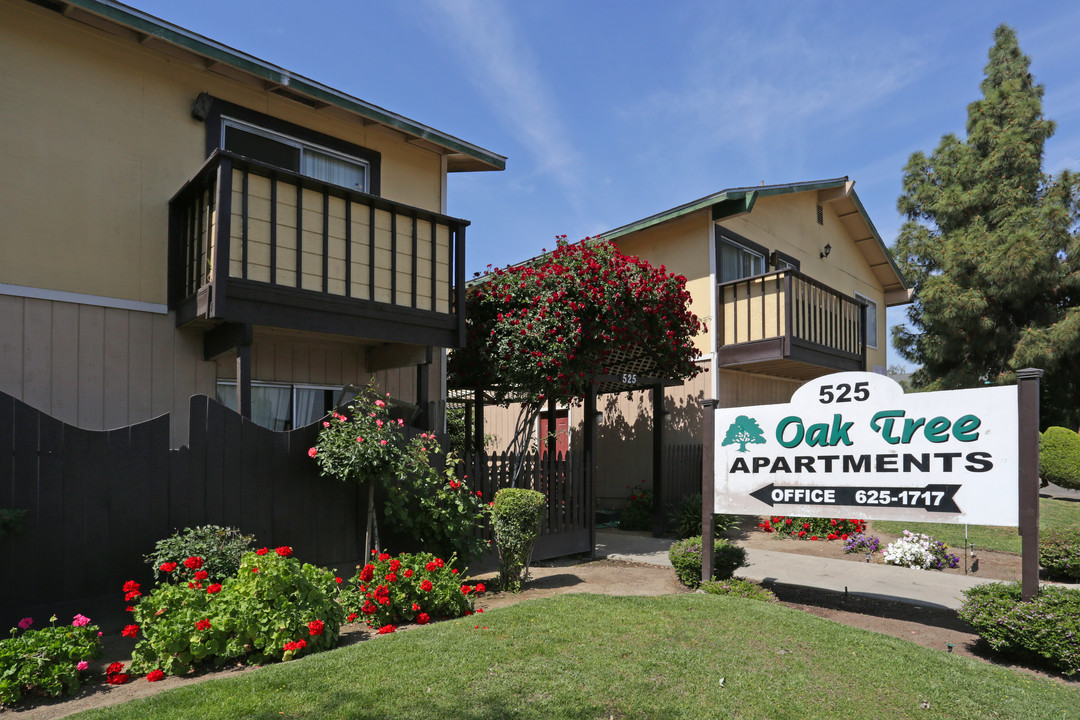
[
  {"x": 1053, "y": 514},
  {"x": 591, "y": 656}
]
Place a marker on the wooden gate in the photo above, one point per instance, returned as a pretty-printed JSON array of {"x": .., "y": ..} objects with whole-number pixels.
[{"x": 566, "y": 527}]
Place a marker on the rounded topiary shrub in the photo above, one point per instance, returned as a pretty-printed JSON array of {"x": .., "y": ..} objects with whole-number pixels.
[
  {"x": 515, "y": 522},
  {"x": 685, "y": 556},
  {"x": 1059, "y": 457},
  {"x": 1059, "y": 553}
]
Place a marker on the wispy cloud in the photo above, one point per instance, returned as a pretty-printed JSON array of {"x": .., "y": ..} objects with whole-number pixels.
[
  {"x": 752, "y": 81},
  {"x": 505, "y": 72}
]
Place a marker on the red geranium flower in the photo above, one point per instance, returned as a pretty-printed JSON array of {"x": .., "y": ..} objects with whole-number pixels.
[
  {"x": 408, "y": 572},
  {"x": 131, "y": 586},
  {"x": 130, "y": 631},
  {"x": 283, "y": 551},
  {"x": 423, "y": 619},
  {"x": 480, "y": 587},
  {"x": 155, "y": 675},
  {"x": 465, "y": 589},
  {"x": 193, "y": 563},
  {"x": 394, "y": 565},
  {"x": 383, "y": 557},
  {"x": 384, "y": 600},
  {"x": 337, "y": 580},
  {"x": 215, "y": 588},
  {"x": 132, "y": 595},
  {"x": 415, "y": 607},
  {"x": 201, "y": 575},
  {"x": 315, "y": 627},
  {"x": 426, "y": 586},
  {"x": 368, "y": 608},
  {"x": 130, "y": 608},
  {"x": 203, "y": 624},
  {"x": 352, "y": 616},
  {"x": 262, "y": 551},
  {"x": 367, "y": 573},
  {"x": 167, "y": 567},
  {"x": 431, "y": 566},
  {"x": 802, "y": 533},
  {"x": 387, "y": 629}
]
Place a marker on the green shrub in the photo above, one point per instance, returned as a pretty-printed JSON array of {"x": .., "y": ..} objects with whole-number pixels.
[
  {"x": 515, "y": 523},
  {"x": 275, "y": 608},
  {"x": 638, "y": 512},
  {"x": 737, "y": 587},
  {"x": 1059, "y": 457},
  {"x": 416, "y": 588},
  {"x": 1045, "y": 629},
  {"x": 685, "y": 556},
  {"x": 1059, "y": 553},
  {"x": 46, "y": 661},
  {"x": 220, "y": 548},
  {"x": 684, "y": 518}
]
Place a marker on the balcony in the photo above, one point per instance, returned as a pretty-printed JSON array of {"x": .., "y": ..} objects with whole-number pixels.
[
  {"x": 787, "y": 324},
  {"x": 256, "y": 245}
]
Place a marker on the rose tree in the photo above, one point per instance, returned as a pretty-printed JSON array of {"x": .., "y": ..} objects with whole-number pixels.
[{"x": 544, "y": 328}]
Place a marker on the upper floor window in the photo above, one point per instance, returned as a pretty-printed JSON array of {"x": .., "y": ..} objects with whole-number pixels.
[
  {"x": 293, "y": 154},
  {"x": 871, "y": 320},
  {"x": 738, "y": 259},
  {"x": 287, "y": 145}
]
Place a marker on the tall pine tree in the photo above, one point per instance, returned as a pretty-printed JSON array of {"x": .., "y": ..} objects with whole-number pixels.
[{"x": 991, "y": 246}]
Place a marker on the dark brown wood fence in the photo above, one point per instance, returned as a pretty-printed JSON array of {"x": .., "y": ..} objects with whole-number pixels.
[
  {"x": 682, "y": 472},
  {"x": 566, "y": 526},
  {"x": 98, "y": 501}
]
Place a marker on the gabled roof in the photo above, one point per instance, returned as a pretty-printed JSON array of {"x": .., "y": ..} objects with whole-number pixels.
[
  {"x": 127, "y": 22},
  {"x": 839, "y": 192}
]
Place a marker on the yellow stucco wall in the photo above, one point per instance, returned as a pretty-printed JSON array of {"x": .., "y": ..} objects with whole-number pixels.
[
  {"x": 682, "y": 246},
  {"x": 98, "y": 135}
]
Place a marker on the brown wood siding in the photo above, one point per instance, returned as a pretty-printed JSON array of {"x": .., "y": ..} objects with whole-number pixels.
[{"x": 99, "y": 368}]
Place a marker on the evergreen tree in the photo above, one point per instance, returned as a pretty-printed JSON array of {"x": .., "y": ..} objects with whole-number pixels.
[{"x": 991, "y": 247}]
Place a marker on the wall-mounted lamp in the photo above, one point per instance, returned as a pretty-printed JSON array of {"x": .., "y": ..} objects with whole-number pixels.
[{"x": 828, "y": 249}]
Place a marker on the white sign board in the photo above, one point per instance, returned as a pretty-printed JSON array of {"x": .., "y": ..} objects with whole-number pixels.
[{"x": 854, "y": 445}]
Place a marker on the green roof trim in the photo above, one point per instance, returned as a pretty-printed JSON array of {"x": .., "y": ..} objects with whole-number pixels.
[{"x": 149, "y": 25}]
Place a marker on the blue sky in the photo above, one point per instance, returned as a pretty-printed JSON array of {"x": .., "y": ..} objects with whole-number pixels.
[{"x": 612, "y": 110}]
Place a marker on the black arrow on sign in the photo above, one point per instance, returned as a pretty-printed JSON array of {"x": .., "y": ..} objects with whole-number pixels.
[{"x": 932, "y": 498}]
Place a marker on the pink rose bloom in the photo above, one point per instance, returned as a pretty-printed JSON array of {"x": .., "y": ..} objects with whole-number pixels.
[
  {"x": 80, "y": 620},
  {"x": 25, "y": 623},
  {"x": 382, "y": 442},
  {"x": 312, "y": 452},
  {"x": 380, "y": 403},
  {"x": 82, "y": 665}
]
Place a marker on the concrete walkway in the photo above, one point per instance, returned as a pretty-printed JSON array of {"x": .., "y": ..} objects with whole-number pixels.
[{"x": 925, "y": 588}]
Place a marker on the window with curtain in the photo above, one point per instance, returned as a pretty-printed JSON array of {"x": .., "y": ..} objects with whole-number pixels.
[
  {"x": 737, "y": 261},
  {"x": 293, "y": 154},
  {"x": 282, "y": 407}
]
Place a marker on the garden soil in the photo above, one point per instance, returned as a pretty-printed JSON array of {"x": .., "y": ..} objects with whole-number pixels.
[{"x": 932, "y": 628}]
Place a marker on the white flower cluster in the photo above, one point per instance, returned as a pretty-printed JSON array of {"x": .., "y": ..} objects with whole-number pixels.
[{"x": 910, "y": 551}]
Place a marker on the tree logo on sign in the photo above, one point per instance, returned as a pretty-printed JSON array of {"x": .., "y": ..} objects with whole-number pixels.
[{"x": 744, "y": 431}]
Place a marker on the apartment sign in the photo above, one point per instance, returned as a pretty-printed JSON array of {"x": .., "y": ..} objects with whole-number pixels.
[{"x": 855, "y": 445}]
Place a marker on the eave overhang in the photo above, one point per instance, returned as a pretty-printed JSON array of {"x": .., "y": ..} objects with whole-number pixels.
[{"x": 177, "y": 42}]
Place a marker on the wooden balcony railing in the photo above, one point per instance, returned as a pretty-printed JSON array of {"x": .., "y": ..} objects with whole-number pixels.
[
  {"x": 253, "y": 243},
  {"x": 787, "y": 316}
]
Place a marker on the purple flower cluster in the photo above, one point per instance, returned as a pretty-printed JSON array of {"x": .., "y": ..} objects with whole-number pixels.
[{"x": 861, "y": 543}]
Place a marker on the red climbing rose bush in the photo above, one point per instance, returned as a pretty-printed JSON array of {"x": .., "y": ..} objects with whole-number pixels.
[
  {"x": 421, "y": 587},
  {"x": 544, "y": 328}
]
